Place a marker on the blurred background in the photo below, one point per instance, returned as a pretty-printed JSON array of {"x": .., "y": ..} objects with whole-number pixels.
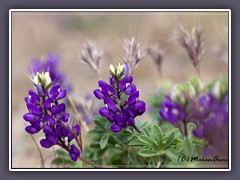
[{"x": 64, "y": 33}]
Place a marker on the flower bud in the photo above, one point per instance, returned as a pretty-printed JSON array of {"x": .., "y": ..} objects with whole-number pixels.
[{"x": 42, "y": 79}]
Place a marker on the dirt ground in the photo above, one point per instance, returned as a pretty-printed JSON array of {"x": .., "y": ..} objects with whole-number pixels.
[{"x": 36, "y": 33}]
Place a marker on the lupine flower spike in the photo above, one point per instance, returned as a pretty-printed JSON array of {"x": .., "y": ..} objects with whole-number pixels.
[
  {"x": 47, "y": 113},
  {"x": 121, "y": 99}
]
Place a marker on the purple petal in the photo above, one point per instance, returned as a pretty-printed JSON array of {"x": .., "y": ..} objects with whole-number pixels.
[
  {"x": 47, "y": 103},
  {"x": 74, "y": 152},
  {"x": 28, "y": 117},
  {"x": 98, "y": 94},
  {"x": 65, "y": 131},
  {"x": 62, "y": 107},
  {"x": 104, "y": 112},
  {"x": 33, "y": 97},
  {"x": 31, "y": 130},
  {"x": 110, "y": 104},
  {"x": 139, "y": 105},
  {"x": 45, "y": 143},
  {"x": 115, "y": 128},
  {"x": 62, "y": 94},
  {"x": 163, "y": 113},
  {"x": 131, "y": 121},
  {"x": 133, "y": 98},
  {"x": 37, "y": 124},
  {"x": 54, "y": 91},
  {"x": 104, "y": 87},
  {"x": 120, "y": 121},
  {"x": 40, "y": 90},
  {"x": 124, "y": 82},
  {"x": 55, "y": 110},
  {"x": 34, "y": 109},
  {"x": 47, "y": 129},
  {"x": 130, "y": 89},
  {"x": 126, "y": 70},
  {"x": 110, "y": 119},
  {"x": 50, "y": 120},
  {"x": 52, "y": 138}
]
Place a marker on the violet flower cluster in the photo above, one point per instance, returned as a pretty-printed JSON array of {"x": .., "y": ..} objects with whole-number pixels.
[
  {"x": 209, "y": 114},
  {"x": 211, "y": 119},
  {"x": 121, "y": 99},
  {"x": 47, "y": 113}
]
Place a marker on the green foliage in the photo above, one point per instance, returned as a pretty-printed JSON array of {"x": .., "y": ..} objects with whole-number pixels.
[
  {"x": 166, "y": 148},
  {"x": 108, "y": 148}
]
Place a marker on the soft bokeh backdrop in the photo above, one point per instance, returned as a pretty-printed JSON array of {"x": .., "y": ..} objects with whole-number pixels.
[{"x": 64, "y": 33}]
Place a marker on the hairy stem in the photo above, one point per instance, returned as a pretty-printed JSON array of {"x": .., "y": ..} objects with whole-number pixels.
[{"x": 136, "y": 128}]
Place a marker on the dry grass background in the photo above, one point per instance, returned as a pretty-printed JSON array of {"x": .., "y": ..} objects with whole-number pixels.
[{"x": 36, "y": 33}]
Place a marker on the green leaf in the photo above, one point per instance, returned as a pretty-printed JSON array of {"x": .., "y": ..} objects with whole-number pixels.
[
  {"x": 187, "y": 146},
  {"x": 94, "y": 139},
  {"x": 103, "y": 141},
  {"x": 175, "y": 131},
  {"x": 93, "y": 132},
  {"x": 190, "y": 127},
  {"x": 99, "y": 125},
  {"x": 157, "y": 134},
  {"x": 136, "y": 142},
  {"x": 148, "y": 153},
  {"x": 172, "y": 155},
  {"x": 146, "y": 132},
  {"x": 148, "y": 141},
  {"x": 170, "y": 139}
]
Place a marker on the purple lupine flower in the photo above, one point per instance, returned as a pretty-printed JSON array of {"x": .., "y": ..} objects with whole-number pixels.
[
  {"x": 48, "y": 114},
  {"x": 171, "y": 111},
  {"x": 120, "y": 97},
  {"x": 211, "y": 119}
]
